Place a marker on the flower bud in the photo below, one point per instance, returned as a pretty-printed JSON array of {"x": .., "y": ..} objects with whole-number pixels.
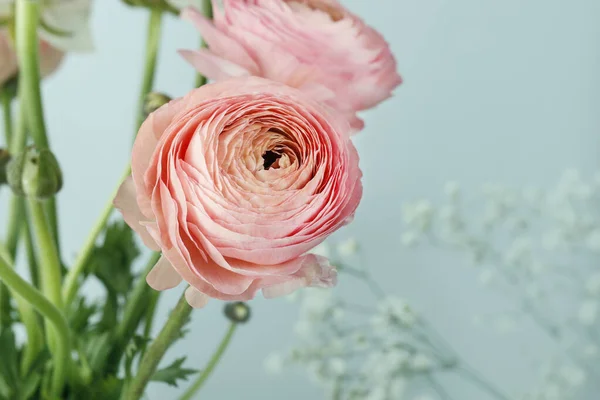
[
  {"x": 34, "y": 173},
  {"x": 4, "y": 160},
  {"x": 154, "y": 101},
  {"x": 238, "y": 312}
]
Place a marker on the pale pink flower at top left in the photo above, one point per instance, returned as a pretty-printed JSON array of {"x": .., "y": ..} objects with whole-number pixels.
[
  {"x": 71, "y": 32},
  {"x": 50, "y": 58}
]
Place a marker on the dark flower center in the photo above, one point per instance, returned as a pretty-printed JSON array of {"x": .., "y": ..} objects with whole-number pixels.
[{"x": 271, "y": 159}]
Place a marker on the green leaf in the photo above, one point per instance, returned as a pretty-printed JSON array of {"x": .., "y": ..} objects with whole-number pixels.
[
  {"x": 173, "y": 372},
  {"x": 134, "y": 347},
  {"x": 97, "y": 347},
  {"x": 79, "y": 315},
  {"x": 111, "y": 262},
  {"x": 9, "y": 367},
  {"x": 31, "y": 385}
]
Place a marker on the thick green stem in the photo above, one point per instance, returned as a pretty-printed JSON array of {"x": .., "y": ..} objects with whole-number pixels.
[
  {"x": 158, "y": 348},
  {"x": 27, "y": 21},
  {"x": 52, "y": 314},
  {"x": 152, "y": 44},
  {"x": 151, "y": 313},
  {"x": 208, "y": 13},
  {"x": 50, "y": 267},
  {"x": 214, "y": 360},
  {"x": 49, "y": 261}
]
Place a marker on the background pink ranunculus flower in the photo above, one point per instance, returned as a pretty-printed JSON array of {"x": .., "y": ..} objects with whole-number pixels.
[
  {"x": 50, "y": 58},
  {"x": 314, "y": 45},
  {"x": 235, "y": 183}
]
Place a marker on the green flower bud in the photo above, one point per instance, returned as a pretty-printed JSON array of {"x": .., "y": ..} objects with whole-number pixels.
[
  {"x": 154, "y": 101},
  {"x": 237, "y": 312},
  {"x": 34, "y": 173},
  {"x": 4, "y": 160}
]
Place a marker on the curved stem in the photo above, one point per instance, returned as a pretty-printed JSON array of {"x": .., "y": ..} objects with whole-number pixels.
[
  {"x": 208, "y": 13},
  {"x": 51, "y": 313},
  {"x": 153, "y": 40},
  {"x": 71, "y": 279},
  {"x": 152, "y": 43},
  {"x": 158, "y": 348},
  {"x": 214, "y": 360}
]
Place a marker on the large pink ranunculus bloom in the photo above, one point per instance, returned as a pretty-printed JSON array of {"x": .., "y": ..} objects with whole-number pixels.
[
  {"x": 315, "y": 45},
  {"x": 50, "y": 58},
  {"x": 235, "y": 183}
]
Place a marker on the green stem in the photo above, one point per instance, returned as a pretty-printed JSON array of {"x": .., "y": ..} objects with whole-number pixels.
[
  {"x": 27, "y": 21},
  {"x": 152, "y": 44},
  {"x": 167, "y": 336},
  {"x": 51, "y": 313},
  {"x": 214, "y": 360},
  {"x": 50, "y": 267},
  {"x": 5, "y": 98},
  {"x": 137, "y": 304},
  {"x": 49, "y": 262},
  {"x": 31, "y": 258},
  {"x": 208, "y": 13},
  {"x": 72, "y": 278},
  {"x": 150, "y": 313}
]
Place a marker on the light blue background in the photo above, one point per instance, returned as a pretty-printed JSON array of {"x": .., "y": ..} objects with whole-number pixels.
[{"x": 504, "y": 91}]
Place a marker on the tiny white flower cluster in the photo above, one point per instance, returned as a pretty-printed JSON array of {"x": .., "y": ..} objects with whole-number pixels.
[
  {"x": 364, "y": 352},
  {"x": 540, "y": 248}
]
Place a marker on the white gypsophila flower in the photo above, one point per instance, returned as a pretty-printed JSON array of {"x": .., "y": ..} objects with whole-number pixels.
[
  {"x": 593, "y": 240},
  {"x": 377, "y": 393},
  {"x": 274, "y": 363},
  {"x": 316, "y": 304},
  {"x": 487, "y": 276},
  {"x": 552, "y": 391},
  {"x": 348, "y": 248},
  {"x": 588, "y": 312},
  {"x": 393, "y": 311},
  {"x": 72, "y": 19},
  {"x": 421, "y": 362},
  {"x": 338, "y": 366},
  {"x": 452, "y": 190},
  {"x": 398, "y": 388},
  {"x": 519, "y": 251},
  {"x": 573, "y": 375},
  {"x": 409, "y": 238},
  {"x": 418, "y": 215},
  {"x": 592, "y": 284}
]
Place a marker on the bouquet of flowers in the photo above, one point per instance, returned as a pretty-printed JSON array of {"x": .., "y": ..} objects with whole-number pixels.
[{"x": 230, "y": 185}]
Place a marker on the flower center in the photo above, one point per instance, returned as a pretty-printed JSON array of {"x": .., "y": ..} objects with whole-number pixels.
[{"x": 271, "y": 159}]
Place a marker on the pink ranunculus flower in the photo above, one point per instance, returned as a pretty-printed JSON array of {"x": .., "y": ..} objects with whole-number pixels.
[
  {"x": 235, "y": 183},
  {"x": 315, "y": 45},
  {"x": 50, "y": 58}
]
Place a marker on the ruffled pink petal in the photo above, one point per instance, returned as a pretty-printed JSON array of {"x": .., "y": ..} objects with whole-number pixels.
[
  {"x": 163, "y": 276},
  {"x": 125, "y": 201},
  {"x": 195, "y": 298},
  {"x": 219, "y": 42},
  {"x": 212, "y": 66},
  {"x": 316, "y": 272}
]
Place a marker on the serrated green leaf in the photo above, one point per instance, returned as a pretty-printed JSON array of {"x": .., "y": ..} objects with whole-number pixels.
[
  {"x": 134, "y": 347},
  {"x": 80, "y": 314},
  {"x": 174, "y": 372},
  {"x": 96, "y": 347},
  {"x": 111, "y": 262}
]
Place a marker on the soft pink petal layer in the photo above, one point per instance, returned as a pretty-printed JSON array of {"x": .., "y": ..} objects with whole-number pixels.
[
  {"x": 163, "y": 276},
  {"x": 125, "y": 201}
]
